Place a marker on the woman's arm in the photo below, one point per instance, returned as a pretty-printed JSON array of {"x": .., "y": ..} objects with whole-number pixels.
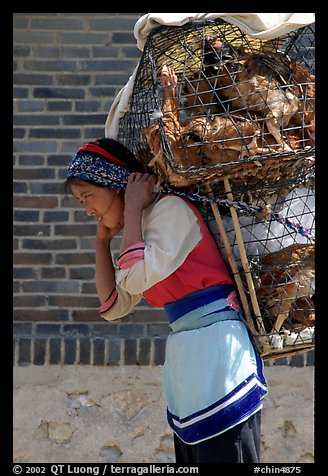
[
  {"x": 138, "y": 196},
  {"x": 105, "y": 272},
  {"x": 170, "y": 232}
]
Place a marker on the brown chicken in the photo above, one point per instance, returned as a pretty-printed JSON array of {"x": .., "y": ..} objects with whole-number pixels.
[
  {"x": 303, "y": 311},
  {"x": 285, "y": 280},
  {"x": 255, "y": 83},
  {"x": 203, "y": 140},
  {"x": 304, "y": 121}
]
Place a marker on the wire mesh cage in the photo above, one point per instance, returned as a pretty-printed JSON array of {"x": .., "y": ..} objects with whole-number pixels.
[
  {"x": 239, "y": 102},
  {"x": 231, "y": 118},
  {"x": 280, "y": 268}
]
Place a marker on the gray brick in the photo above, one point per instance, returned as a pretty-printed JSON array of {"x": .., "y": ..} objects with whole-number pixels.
[
  {"x": 98, "y": 352},
  {"x": 35, "y": 146},
  {"x": 159, "y": 351},
  {"x": 55, "y": 351},
  {"x": 32, "y": 78},
  {"x": 83, "y": 38},
  {"x": 33, "y": 37},
  {"x": 48, "y": 329},
  {"x": 51, "y": 287},
  {"x": 39, "y": 357},
  {"x": 25, "y": 351},
  {"x": 31, "y": 106},
  {"x": 105, "y": 65},
  {"x": 130, "y": 352},
  {"x": 21, "y": 51},
  {"x": 112, "y": 24},
  {"x": 59, "y": 106},
  {"x": 56, "y": 216},
  {"x": 24, "y": 273},
  {"x": 123, "y": 38},
  {"x": 57, "y": 24},
  {"x": 82, "y": 273},
  {"x": 19, "y": 187},
  {"x": 143, "y": 357},
  {"x": 76, "y": 52},
  {"x": 297, "y": 360},
  {"x": 85, "y": 351},
  {"x": 114, "y": 351},
  {"x": 73, "y": 79},
  {"x": 32, "y": 230},
  {"x": 19, "y": 133},
  {"x": 54, "y": 92},
  {"x": 46, "y": 52},
  {"x": 21, "y": 329},
  {"x": 51, "y": 273},
  {"x": 88, "y": 106},
  {"x": 45, "y": 244},
  {"x": 131, "y": 330},
  {"x": 104, "y": 52},
  {"x": 107, "y": 329},
  {"x": 19, "y": 93},
  {"x": 31, "y": 160},
  {"x": 70, "y": 351},
  {"x": 75, "y": 330},
  {"x": 310, "y": 358},
  {"x": 36, "y": 120},
  {"x": 103, "y": 91},
  {"x": 67, "y": 133},
  {"x": 81, "y": 119},
  {"x": 29, "y": 215}
]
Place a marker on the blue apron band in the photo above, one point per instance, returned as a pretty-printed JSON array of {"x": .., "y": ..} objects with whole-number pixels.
[
  {"x": 197, "y": 299},
  {"x": 203, "y": 308}
]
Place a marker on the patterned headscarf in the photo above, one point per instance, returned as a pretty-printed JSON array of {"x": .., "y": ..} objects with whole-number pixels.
[{"x": 93, "y": 163}]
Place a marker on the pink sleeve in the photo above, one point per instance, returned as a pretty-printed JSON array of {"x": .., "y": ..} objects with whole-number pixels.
[{"x": 131, "y": 255}]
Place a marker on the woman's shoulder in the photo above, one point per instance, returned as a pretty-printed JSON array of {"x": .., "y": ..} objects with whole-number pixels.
[{"x": 171, "y": 207}]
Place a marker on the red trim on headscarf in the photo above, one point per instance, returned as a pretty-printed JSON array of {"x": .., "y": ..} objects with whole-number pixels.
[{"x": 104, "y": 153}]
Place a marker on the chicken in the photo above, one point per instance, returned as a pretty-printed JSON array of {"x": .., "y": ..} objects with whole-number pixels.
[
  {"x": 254, "y": 83},
  {"x": 225, "y": 139},
  {"x": 303, "y": 311},
  {"x": 172, "y": 131},
  {"x": 202, "y": 140},
  {"x": 286, "y": 277},
  {"x": 304, "y": 121}
]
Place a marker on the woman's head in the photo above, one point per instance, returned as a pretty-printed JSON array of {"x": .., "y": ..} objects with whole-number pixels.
[
  {"x": 96, "y": 175},
  {"x": 105, "y": 162}
]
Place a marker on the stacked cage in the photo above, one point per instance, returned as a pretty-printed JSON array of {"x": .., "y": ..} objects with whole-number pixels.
[{"x": 228, "y": 120}]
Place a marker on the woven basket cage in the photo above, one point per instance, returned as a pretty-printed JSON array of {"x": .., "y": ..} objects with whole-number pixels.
[{"x": 236, "y": 122}]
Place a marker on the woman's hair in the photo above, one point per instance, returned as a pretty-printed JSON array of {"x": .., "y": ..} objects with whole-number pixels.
[
  {"x": 104, "y": 162},
  {"x": 122, "y": 153}
]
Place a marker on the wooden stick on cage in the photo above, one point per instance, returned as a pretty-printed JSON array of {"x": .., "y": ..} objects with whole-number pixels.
[
  {"x": 235, "y": 271},
  {"x": 242, "y": 252}
]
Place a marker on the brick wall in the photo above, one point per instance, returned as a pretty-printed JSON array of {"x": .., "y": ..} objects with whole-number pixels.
[{"x": 68, "y": 68}]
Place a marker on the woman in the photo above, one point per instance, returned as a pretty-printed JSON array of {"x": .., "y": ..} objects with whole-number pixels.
[{"x": 212, "y": 376}]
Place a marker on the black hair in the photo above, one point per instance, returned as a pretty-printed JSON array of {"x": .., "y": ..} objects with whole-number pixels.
[{"x": 119, "y": 150}]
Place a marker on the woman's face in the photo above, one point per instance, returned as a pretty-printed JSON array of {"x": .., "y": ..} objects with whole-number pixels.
[{"x": 105, "y": 204}]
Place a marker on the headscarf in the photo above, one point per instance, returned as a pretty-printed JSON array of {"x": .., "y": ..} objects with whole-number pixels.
[{"x": 104, "y": 162}]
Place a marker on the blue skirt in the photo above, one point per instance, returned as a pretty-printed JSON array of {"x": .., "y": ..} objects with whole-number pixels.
[{"x": 212, "y": 375}]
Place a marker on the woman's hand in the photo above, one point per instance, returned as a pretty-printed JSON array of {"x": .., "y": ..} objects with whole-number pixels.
[
  {"x": 138, "y": 196},
  {"x": 105, "y": 234},
  {"x": 139, "y": 191}
]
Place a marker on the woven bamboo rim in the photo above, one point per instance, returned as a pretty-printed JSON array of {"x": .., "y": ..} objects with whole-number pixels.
[{"x": 251, "y": 172}]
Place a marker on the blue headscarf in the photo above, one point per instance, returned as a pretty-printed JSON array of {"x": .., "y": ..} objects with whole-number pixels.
[{"x": 98, "y": 170}]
